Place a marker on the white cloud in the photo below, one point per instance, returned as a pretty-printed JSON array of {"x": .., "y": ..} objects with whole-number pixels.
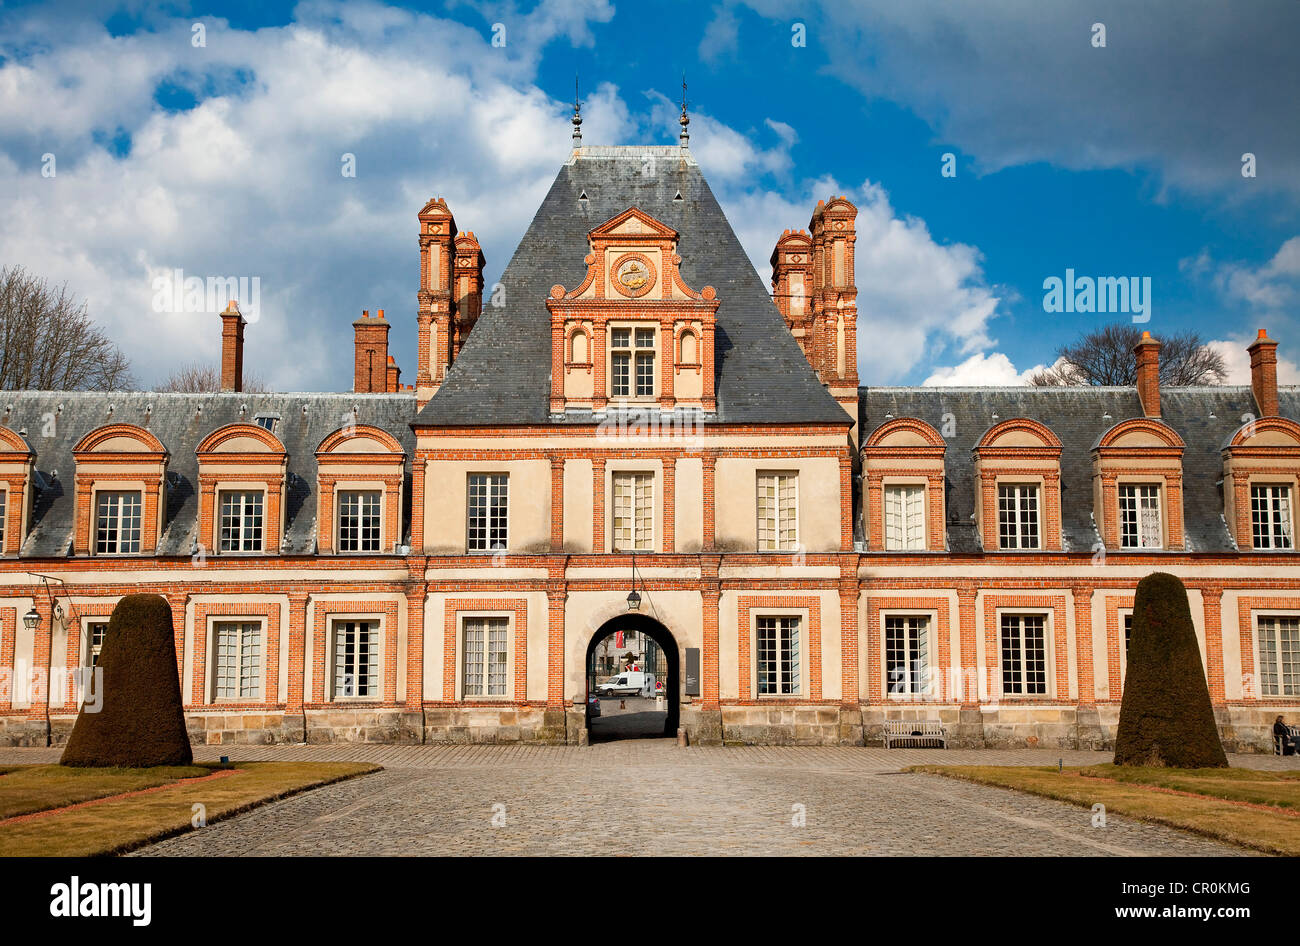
[
  {"x": 982, "y": 369},
  {"x": 1237, "y": 362}
]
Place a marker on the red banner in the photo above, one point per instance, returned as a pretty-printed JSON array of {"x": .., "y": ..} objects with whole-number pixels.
[{"x": 618, "y": 639}]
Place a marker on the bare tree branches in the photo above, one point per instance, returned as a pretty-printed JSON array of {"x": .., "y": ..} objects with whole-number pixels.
[
  {"x": 48, "y": 342},
  {"x": 1105, "y": 356},
  {"x": 200, "y": 379}
]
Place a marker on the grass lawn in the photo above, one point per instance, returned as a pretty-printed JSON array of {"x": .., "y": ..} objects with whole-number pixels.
[
  {"x": 117, "y": 825},
  {"x": 1220, "y": 808}
]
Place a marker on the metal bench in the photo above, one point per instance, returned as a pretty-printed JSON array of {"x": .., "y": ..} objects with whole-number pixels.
[{"x": 924, "y": 733}]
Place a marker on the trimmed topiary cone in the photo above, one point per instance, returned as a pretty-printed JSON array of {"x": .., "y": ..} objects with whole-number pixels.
[
  {"x": 141, "y": 721},
  {"x": 1165, "y": 718}
]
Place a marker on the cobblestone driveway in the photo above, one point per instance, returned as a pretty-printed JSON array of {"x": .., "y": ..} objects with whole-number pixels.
[{"x": 648, "y": 797}]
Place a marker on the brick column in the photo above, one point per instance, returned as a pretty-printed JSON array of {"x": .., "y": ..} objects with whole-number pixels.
[
  {"x": 177, "y": 603},
  {"x": 415, "y": 596},
  {"x": 43, "y": 638},
  {"x": 969, "y": 654},
  {"x": 710, "y": 462},
  {"x": 417, "y": 503},
  {"x": 297, "y": 643},
  {"x": 846, "y": 501},
  {"x": 710, "y": 595},
  {"x": 1212, "y": 601},
  {"x": 849, "y": 630},
  {"x": 988, "y": 511},
  {"x": 557, "y": 503},
  {"x": 1109, "y": 524},
  {"x": 669, "y": 504},
  {"x": 555, "y": 596},
  {"x": 598, "y": 505},
  {"x": 1083, "y": 642}
]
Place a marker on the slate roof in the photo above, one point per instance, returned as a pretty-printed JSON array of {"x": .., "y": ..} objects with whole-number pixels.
[
  {"x": 1205, "y": 417},
  {"x": 180, "y": 421},
  {"x": 502, "y": 375}
]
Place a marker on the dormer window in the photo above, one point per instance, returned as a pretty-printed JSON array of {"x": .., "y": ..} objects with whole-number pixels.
[
  {"x": 117, "y": 522},
  {"x": 359, "y": 484},
  {"x": 1139, "y": 516},
  {"x": 632, "y": 362},
  {"x": 1270, "y": 516},
  {"x": 1018, "y": 483},
  {"x": 267, "y": 421},
  {"x": 241, "y": 521}
]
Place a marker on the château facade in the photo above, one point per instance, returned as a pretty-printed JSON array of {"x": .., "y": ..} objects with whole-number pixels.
[{"x": 632, "y": 412}]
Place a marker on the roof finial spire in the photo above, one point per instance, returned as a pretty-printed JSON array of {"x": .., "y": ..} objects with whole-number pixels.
[
  {"x": 685, "y": 120},
  {"x": 577, "y": 114}
]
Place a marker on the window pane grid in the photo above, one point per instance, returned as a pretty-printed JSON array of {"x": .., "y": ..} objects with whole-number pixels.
[
  {"x": 488, "y": 512},
  {"x": 1018, "y": 517},
  {"x": 241, "y": 521},
  {"x": 238, "y": 673},
  {"x": 1024, "y": 655},
  {"x": 117, "y": 523},
  {"x": 778, "y": 519},
  {"x": 907, "y": 665},
  {"x": 904, "y": 517},
  {"x": 1139, "y": 517},
  {"x": 777, "y": 647},
  {"x": 485, "y": 664},
  {"x": 356, "y": 658},
  {"x": 633, "y": 525},
  {"x": 632, "y": 361},
  {"x": 1279, "y": 656},
  {"x": 1270, "y": 516},
  {"x": 359, "y": 521}
]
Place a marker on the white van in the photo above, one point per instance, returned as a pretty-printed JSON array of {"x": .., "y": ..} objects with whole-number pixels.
[{"x": 628, "y": 683}]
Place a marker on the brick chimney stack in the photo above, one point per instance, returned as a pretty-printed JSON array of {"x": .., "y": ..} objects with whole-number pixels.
[
  {"x": 1148, "y": 374},
  {"x": 370, "y": 364},
  {"x": 232, "y": 348},
  {"x": 1263, "y": 374},
  {"x": 394, "y": 376}
]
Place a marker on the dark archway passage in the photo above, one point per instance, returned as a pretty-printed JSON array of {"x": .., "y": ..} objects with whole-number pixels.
[{"x": 639, "y": 718}]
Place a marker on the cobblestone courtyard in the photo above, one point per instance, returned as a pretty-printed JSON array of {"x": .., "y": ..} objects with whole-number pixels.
[{"x": 650, "y": 797}]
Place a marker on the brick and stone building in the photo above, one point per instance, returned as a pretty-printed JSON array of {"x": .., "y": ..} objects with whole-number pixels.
[{"x": 435, "y": 561}]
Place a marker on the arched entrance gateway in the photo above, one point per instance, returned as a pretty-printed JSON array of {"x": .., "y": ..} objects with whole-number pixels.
[{"x": 633, "y": 680}]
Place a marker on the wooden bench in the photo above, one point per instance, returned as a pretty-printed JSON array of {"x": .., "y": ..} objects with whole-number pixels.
[
  {"x": 925, "y": 733},
  {"x": 1277, "y": 740}
]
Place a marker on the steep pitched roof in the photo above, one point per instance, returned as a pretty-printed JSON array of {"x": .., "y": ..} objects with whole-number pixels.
[
  {"x": 502, "y": 376},
  {"x": 1202, "y": 416},
  {"x": 180, "y": 421}
]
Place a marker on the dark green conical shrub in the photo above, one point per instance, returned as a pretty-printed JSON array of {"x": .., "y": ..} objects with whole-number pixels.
[
  {"x": 1165, "y": 718},
  {"x": 141, "y": 720}
]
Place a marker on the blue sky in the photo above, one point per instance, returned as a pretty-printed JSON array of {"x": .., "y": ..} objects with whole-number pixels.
[{"x": 1123, "y": 160}]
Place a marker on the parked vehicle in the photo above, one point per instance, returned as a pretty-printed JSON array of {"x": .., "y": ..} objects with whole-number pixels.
[{"x": 628, "y": 683}]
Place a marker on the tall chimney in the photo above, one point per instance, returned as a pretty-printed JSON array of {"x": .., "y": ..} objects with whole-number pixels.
[
  {"x": 394, "y": 375},
  {"x": 232, "y": 348},
  {"x": 1263, "y": 374},
  {"x": 1148, "y": 374},
  {"x": 370, "y": 361}
]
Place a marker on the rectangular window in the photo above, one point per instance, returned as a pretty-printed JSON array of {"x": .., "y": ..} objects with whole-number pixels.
[
  {"x": 356, "y": 659},
  {"x": 633, "y": 525},
  {"x": 907, "y": 653},
  {"x": 1024, "y": 655},
  {"x": 485, "y": 656},
  {"x": 1279, "y": 656},
  {"x": 488, "y": 502},
  {"x": 778, "y": 512},
  {"x": 117, "y": 523},
  {"x": 904, "y": 517},
  {"x": 95, "y": 632},
  {"x": 359, "y": 518},
  {"x": 778, "y": 655},
  {"x": 632, "y": 362},
  {"x": 1139, "y": 517},
  {"x": 241, "y": 521},
  {"x": 1018, "y": 517},
  {"x": 238, "y": 664},
  {"x": 1270, "y": 516}
]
